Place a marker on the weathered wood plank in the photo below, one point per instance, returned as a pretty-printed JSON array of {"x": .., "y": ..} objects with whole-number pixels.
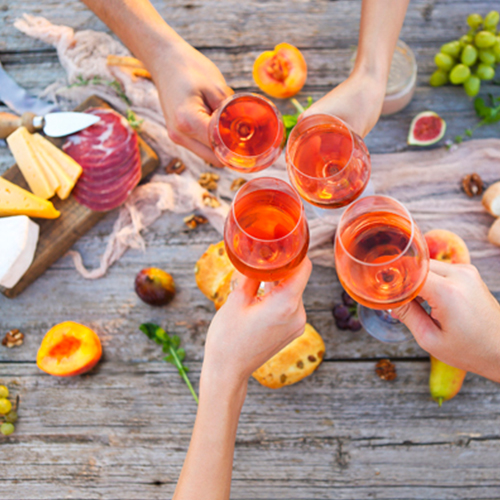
[{"x": 122, "y": 432}]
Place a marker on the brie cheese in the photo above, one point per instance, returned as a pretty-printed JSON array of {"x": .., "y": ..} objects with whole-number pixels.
[{"x": 18, "y": 239}]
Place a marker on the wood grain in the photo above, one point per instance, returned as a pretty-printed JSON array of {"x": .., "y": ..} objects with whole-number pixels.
[{"x": 57, "y": 236}]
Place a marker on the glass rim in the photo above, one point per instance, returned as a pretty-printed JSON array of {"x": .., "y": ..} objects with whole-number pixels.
[
  {"x": 292, "y": 164},
  {"x": 403, "y": 252},
  {"x": 295, "y": 195},
  {"x": 262, "y": 98}
]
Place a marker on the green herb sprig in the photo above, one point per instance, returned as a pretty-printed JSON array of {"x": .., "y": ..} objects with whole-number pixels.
[
  {"x": 488, "y": 114},
  {"x": 133, "y": 121},
  {"x": 97, "y": 80},
  {"x": 291, "y": 120},
  {"x": 170, "y": 344}
]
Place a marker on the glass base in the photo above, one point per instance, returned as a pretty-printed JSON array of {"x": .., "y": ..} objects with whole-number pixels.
[
  {"x": 323, "y": 212},
  {"x": 382, "y": 326}
]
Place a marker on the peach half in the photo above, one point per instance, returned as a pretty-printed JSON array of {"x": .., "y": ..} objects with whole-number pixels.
[
  {"x": 281, "y": 72},
  {"x": 69, "y": 349},
  {"x": 447, "y": 247}
]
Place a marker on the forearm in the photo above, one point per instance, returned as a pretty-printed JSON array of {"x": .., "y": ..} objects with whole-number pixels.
[
  {"x": 381, "y": 22},
  {"x": 139, "y": 26},
  {"x": 206, "y": 474}
]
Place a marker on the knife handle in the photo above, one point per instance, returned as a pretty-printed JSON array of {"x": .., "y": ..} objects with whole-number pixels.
[{"x": 10, "y": 122}]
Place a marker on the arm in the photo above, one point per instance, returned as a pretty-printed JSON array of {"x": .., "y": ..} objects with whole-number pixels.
[
  {"x": 189, "y": 85},
  {"x": 358, "y": 100},
  {"x": 463, "y": 329},
  {"x": 243, "y": 335}
]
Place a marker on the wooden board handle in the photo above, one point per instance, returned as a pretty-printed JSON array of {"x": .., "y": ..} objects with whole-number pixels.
[{"x": 10, "y": 122}]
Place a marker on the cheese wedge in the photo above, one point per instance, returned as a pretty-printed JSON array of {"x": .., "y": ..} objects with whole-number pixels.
[
  {"x": 17, "y": 248},
  {"x": 65, "y": 184},
  {"x": 17, "y": 201},
  {"x": 46, "y": 167},
  {"x": 72, "y": 169},
  {"x": 28, "y": 163}
]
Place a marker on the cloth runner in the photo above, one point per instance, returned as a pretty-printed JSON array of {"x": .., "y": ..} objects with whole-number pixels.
[{"x": 421, "y": 180}]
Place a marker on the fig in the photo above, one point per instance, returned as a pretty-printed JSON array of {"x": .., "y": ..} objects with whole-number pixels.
[
  {"x": 426, "y": 128},
  {"x": 155, "y": 286}
]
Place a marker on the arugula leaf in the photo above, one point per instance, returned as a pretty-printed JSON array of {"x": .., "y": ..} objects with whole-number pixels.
[
  {"x": 291, "y": 120},
  {"x": 171, "y": 345}
]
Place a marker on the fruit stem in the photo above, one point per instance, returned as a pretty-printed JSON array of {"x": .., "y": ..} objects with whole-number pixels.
[
  {"x": 440, "y": 401},
  {"x": 182, "y": 372},
  {"x": 297, "y": 105}
]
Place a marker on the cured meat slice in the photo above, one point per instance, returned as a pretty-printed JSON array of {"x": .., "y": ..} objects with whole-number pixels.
[{"x": 108, "y": 152}]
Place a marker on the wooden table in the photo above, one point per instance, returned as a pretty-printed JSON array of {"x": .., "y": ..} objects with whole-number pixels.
[{"x": 121, "y": 432}]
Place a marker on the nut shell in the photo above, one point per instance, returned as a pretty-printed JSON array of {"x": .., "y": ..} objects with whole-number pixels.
[{"x": 294, "y": 362}]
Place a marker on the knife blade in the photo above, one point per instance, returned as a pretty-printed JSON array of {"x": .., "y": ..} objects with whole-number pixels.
[
  {"x": 56, "y": 124},
  {"x": 18, "y": 100}
]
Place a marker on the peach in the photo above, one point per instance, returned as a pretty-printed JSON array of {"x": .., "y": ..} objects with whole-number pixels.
[
  {"x": 447, "y": 247},
  {"x": 281, "y": 72},
  {"x": 69, "y": 349}
]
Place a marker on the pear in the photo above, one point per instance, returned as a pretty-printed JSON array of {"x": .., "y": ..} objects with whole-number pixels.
[{"x": 445, "y": 381}]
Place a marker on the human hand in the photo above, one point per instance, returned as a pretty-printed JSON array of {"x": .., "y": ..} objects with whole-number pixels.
[
  {"x": 248, "y": 330},
  {"x": 463, "y": 329},
  {"x": 190, "y": 88},
  {"x": 357, "y": 101}
]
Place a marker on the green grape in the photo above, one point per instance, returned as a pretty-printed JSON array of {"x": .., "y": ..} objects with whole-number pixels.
[
  {"x": 11, "y": 416},
  {"x": 466, "y": 40},
  {"x": 439, "y": 78},
  {"x": 469, "y": 55},
  {"x": 452, "y": 48},
  {"x": 5, "y": 406},
  {"x": 474, "y": 21},
  {"x": 472, "y": 85},
  {"x": 4, "y": 392},
  {"x": 484, "y": 39},
  {"x": 484, "y": 72},
  {"x": 491, "y": 20},
  {"x": 7, "y": 428},
  {"x": 496, "y": 49},
  {"x": 459, "y": 74},
  {"x": 487, "y": 57},
  {"x": 444, "y": 61}
]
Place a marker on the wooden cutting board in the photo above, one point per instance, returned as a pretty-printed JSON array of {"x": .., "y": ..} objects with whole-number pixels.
[{"x": 57, "y": 236}]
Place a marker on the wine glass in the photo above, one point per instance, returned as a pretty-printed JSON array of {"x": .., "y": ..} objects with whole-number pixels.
[
  {"x": 247, "y": 133},
  {"x": 382, "y": 261},
  {"x": 327, "y": 162},
  {"x": 266, "y": 232}
]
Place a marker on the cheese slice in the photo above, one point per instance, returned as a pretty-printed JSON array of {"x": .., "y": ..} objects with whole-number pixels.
[
  {"x": 72, "y": 169},
  {"x": 65, "y": 184},
  {"x": 28, "y": 163},
  {"x": 17, "y": 201},
  {"x": 17, "y": 248},
  {"x": 45, "y": 163}
]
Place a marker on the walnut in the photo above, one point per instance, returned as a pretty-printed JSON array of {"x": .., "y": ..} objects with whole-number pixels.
[
  {"x": 209, "y": 200},
  {"x": 13, "y": 338},
  {"x": 193, "y": 221},
  {"x": 386, "y": 370},
  {"x": 175, "y": 167},
  {"x": 237, "y": 183},
  {"x": 472, "y": 184},
  {"x": 208, "y": 180}
]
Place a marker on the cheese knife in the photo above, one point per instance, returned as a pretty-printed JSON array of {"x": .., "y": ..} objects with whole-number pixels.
[{"x": 56, "y": 124}]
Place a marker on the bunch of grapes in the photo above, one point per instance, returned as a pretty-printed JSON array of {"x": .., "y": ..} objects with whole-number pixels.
[
  {"x": 472, "y": 58},
  {"x": 346, "y": 314},
  {"x": 8, "y": 416}
]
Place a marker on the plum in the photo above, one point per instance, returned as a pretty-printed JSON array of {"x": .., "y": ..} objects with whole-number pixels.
[{"x": 155, "y": 286}]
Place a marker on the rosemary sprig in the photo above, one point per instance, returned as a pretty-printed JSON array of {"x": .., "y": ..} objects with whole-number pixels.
[
  {"x": 170, "y": 344},
  {"x": 133, "y": 121}
]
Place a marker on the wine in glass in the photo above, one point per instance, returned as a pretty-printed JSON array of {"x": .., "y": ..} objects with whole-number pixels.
[
  {"x": 382, "y": 261},
  {"x": 246, "y": 132},
  {"x": 266, "y": 232},
  {"x": 327, "y": 162}
]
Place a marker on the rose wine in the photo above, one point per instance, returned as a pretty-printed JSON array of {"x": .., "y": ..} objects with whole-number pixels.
[
  {"x": 327, "y": 163},
  {"x": 382, "y": 262},
  {"x": 266, "y": 233},
  {"x": 247, "y": 133}
]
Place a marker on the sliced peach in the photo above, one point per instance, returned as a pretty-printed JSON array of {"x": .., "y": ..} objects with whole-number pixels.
[
  {"x": 69, "y": 349},
  {"x": 447, "y": 247},
  {"x": 281, "y": 72}
]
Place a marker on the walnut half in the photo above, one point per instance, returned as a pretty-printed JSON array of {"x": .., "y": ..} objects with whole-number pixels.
[{"x": 472, "y": 184}]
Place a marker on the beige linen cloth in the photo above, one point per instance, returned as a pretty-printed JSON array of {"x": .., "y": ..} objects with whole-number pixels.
[{"x": 421, "y": 180}]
